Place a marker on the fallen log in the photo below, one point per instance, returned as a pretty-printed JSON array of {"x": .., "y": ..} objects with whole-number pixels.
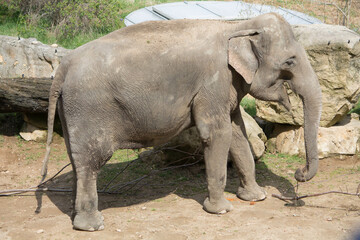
[{"x": 27, "y": 95}]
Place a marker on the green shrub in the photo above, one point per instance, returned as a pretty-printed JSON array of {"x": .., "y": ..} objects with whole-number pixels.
[
  {"x": 249, "y": 106},
  {"x": 65, "y": 18},
  {"x": 356, "y": 108}
]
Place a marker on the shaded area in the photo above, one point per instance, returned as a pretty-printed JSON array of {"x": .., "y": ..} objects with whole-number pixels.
[
  {"x": 143, "y": 181},
  {"x": 10, "y": 123}
]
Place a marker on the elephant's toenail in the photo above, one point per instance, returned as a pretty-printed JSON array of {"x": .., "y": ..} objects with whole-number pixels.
[{"x": 222, "y": 212}]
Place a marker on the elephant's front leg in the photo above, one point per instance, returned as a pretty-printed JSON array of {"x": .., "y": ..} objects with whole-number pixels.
[
  {"x": 241, "y": 155},
  {"x": 86, "y": 214},
  {"x": 216, "y": 137}
]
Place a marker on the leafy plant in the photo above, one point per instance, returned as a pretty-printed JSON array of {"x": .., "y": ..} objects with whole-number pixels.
[
  {"x": 66, "y": 18},
  {"x": 249, "y": 106},
  {"x": 356, "y": 108}
]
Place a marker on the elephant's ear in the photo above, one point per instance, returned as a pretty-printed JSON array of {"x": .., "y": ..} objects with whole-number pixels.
[{"x": 243, "y": 53}]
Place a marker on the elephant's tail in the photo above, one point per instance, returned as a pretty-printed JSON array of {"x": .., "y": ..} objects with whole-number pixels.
[{"x": 55, "y": 92}]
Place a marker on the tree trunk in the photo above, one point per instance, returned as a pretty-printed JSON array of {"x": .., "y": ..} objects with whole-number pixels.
[{"x": 28, "y": 95}]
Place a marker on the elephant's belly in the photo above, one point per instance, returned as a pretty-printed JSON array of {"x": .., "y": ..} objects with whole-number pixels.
[{"x": 156, "y": 128}]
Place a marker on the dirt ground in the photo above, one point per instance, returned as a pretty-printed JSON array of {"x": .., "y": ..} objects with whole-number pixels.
[{"x": 167, "y": 205}]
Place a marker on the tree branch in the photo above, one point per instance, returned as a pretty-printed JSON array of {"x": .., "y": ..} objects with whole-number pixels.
[{"x": 284, "y": 198}]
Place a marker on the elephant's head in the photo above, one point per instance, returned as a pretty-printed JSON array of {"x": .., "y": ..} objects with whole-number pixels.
[{"x": 265, "y": 53}]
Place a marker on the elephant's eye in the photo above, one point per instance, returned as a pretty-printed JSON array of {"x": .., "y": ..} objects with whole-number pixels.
[{"x": 289, "y": 63}]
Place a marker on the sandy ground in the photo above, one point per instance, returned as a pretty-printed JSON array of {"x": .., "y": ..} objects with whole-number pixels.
[{"x": 168, "y": 205}]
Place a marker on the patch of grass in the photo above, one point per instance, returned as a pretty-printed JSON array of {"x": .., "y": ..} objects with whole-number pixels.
[
  {"x": 278, "y": 164},
  {"x": 31, "y": 157},
  {"x": 124, "y": 155},
  {"x": 274, "y": 160},
  {"x": 9, "y": 28},
  {"x": 356, "y": 108},
  {"x": 61, "y": 157},
  {"x": 107, "y": 173},
  {"x": 344, "y": 171},
  {"x": 20, "y": 141},
  {"x": 158, "y": 200},
  {"x": 354, "y": 170},
  {"x": 249, "y": 106},
  {"x": 338, "y": 171},
  {"x": 120, "y": 159},
  {"x": 78, "y": 40}
]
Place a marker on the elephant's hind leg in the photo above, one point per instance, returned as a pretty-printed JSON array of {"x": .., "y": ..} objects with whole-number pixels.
[
  {"x": 241, "y": 155},
  {"x": 86, "y": 160},
  {"x": 86, "y": 215}
]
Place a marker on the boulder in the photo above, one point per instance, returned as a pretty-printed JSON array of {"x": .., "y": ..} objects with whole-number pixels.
[
  {"x": 256, "y": 136},
  {"x": 26, "y": 70},
  {"x": 340, "y": 139},
  {"x": 28, "y": 58},
  {"x": 334, "y": 53},
  {"x": 189, "y": 140},
  {"x": 28, "y": 95},
  {"x": 31, "y": 133}
]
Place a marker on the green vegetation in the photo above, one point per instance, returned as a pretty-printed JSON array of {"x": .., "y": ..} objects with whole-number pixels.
[
  {"x": 278, "y": 166},
  {"x": 51, "y": 20},
  {"x": 249, "y": 106},
  {"x": 124, "y": 155},
  {"x": 67, "y": 22},
  {"x": 356, "y": 108},
  {"x": 118, "y": 162},
  {"x": 282, "y": 161}
]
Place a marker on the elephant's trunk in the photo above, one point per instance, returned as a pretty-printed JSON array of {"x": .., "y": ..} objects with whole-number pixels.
[{"x": 311, "y": 98}]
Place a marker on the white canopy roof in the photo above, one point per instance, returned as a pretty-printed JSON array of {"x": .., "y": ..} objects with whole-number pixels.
[{"x": 234, "y": 10}]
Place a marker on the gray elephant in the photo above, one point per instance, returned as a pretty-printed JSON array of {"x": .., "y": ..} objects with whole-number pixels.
[{"x": 142, "y": 85}]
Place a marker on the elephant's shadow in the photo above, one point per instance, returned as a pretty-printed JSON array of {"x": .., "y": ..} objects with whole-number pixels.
[{"x": 141, "y": 183}]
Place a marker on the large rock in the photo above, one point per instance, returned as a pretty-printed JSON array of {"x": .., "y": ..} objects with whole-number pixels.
[
  {"x": 334, "y": 53},
  {"x": 26, "y": 68},
  {"x": 340, "y": 139},
  {"x": 256, "y": 136},
  {"x": 31, "y": 133},
  {"x": 28, "y": 58},
  {"x": 189, "y": 140}
]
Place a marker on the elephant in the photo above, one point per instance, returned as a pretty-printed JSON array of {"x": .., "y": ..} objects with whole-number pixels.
[{"x": 141, "y": 85}]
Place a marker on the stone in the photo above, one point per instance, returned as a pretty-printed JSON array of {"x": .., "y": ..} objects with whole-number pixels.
[
  {"x": 256, "y": 136},
  {"x": 26, "y": 70},
  {"x": 189, "y": 140},
  {"x": 340, "y": 139},
  {"x": 32, "y": 133},
  {"x": 28, "y": 57},
  {"x": 337, "y": 66}
]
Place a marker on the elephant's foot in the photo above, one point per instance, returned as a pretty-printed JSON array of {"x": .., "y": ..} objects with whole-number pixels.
[
  {"x": 218, "y": 207},
  {"x": 254, "y": 193},
  {"x": 89, "y": 221}
]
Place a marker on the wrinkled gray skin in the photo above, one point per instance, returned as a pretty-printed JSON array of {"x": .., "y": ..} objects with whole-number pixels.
[{"x": 142, "y": 85}]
